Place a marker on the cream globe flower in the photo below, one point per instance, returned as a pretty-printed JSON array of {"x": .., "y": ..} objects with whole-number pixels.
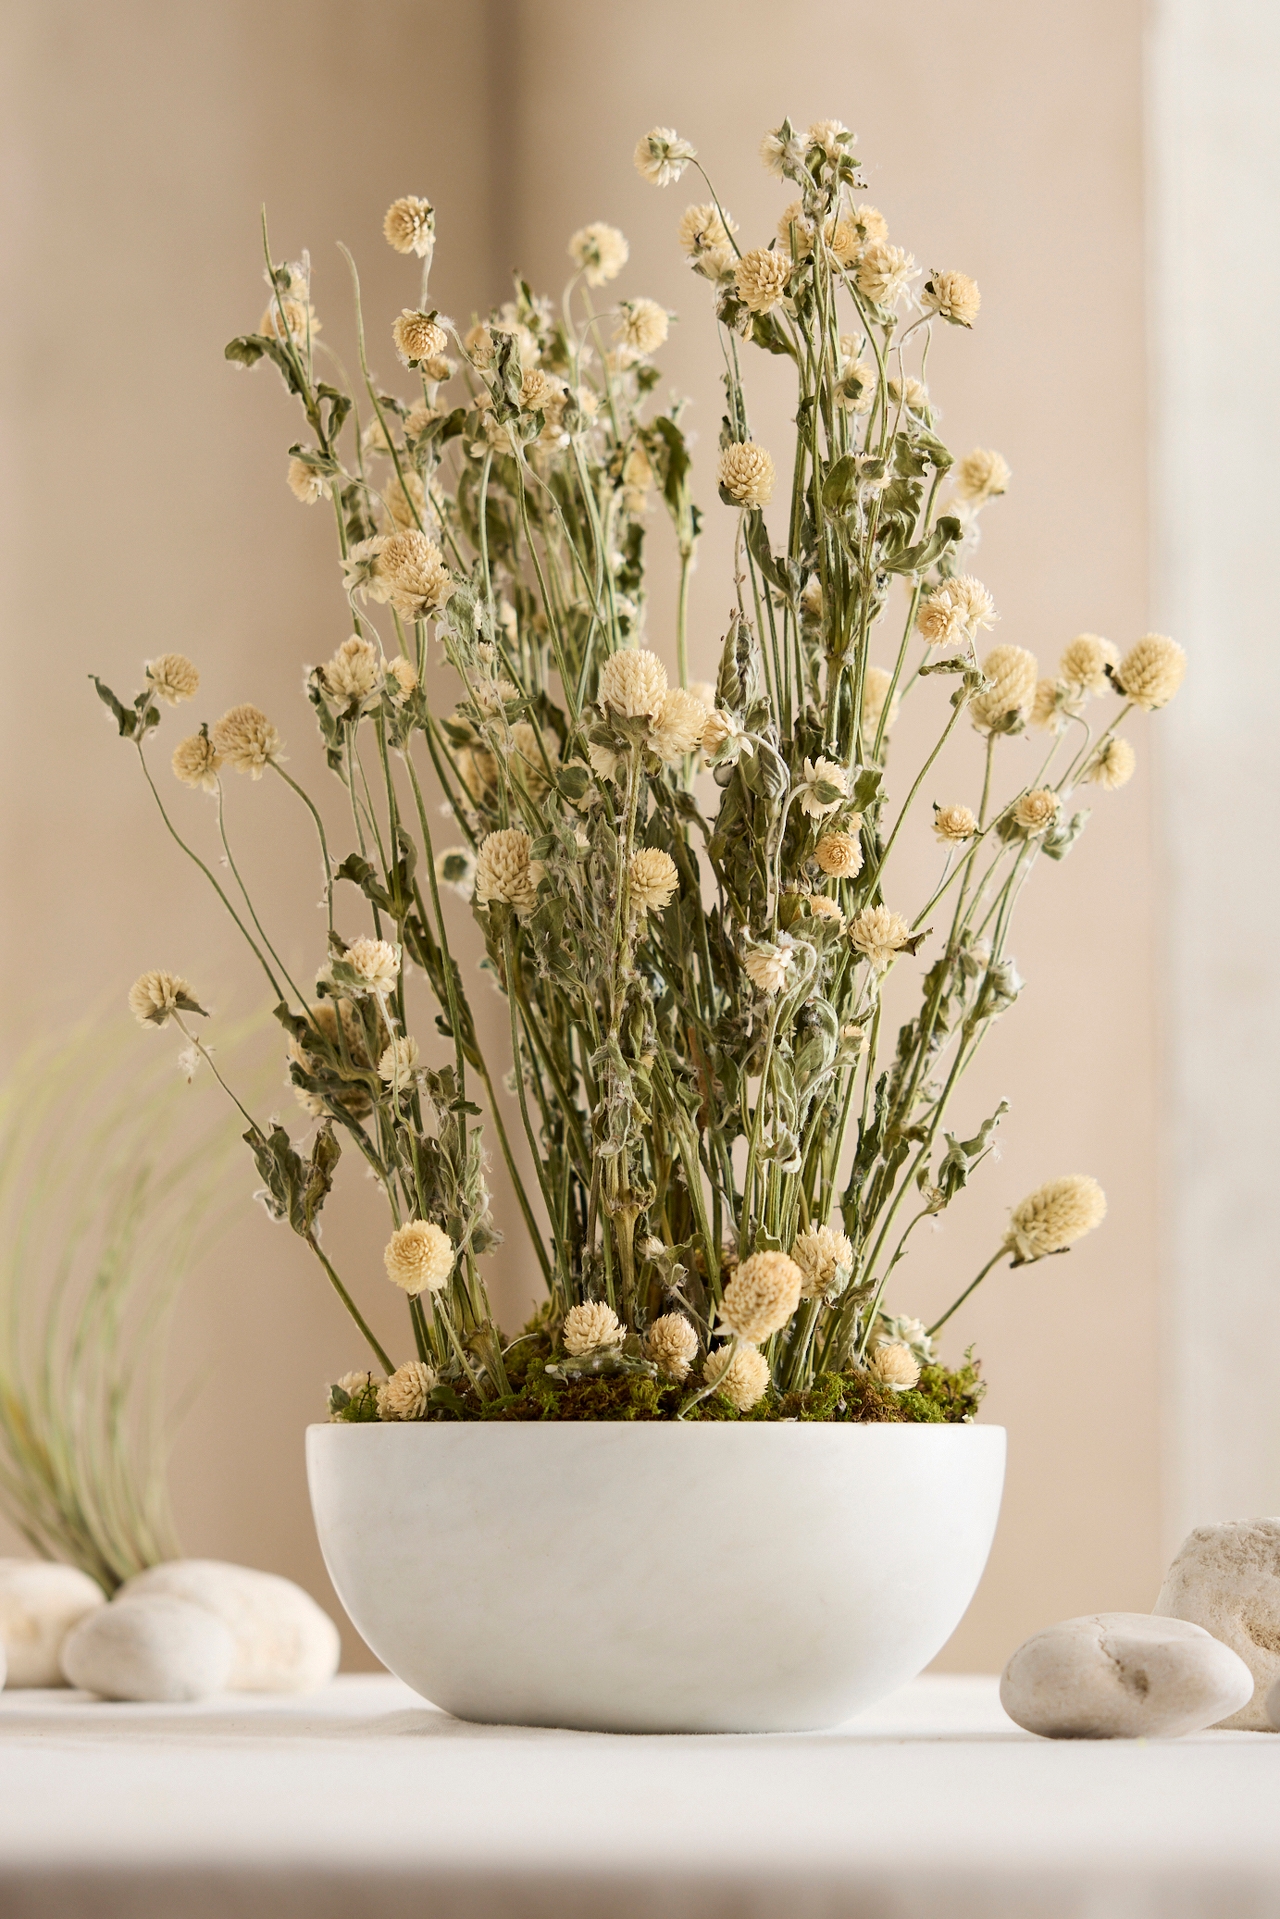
[
  {"x": 599, "y": 252},
  {"x": 1055, "y": 1216},
  {"x": 672, "y": 1345},
  {"x": 419, "y": 581},
  {"x": 885, "y": 273},
  {"x": 642, "y": 326},
  {"x": 409, "y": 226},
  {"x": 398, "y": 1067},
  {"x": 1012, "y": 675},
  {"x": 954, "y": 824},
  {"x": 816, "y": 801},
  {"x": 762, "y": 1295},
  {"x": 196, "y": 763},
  {"x": 702, "y": 230},
  {"x": 633, "y": 683},
  {"x": 1112, "y": 765},
  {"x": 406, "y": 1393},
  {"x": 354, "y": 671},
  {"x": 155, "y": 998},
  {"x": 306, "y": 482},
  {"x": 875, "y": 688},
  {"x": 981, "y": 476},
  {"x": 1085, "y": 661},
  {"x": 417, "y": 337},
  {"x": 591, "y": 1327},
  {"x": 739, "y": 1372},
  {"x": 879, "y": 935},
  {"x": 172, "y": 678},
  {"x": 839, "y": 855},
  {"x": 245, "y": 738},
  {"x": 679, "y": 726},
  {"x": 1035, "y": 812},
  {"x": 955, "y": 611},
  {"x": 419, "y": 1257},
  {"x": 895, "y": 1366},
  {"x": 767, "y": 964},
  {"x": 1152, "y": 671},
  {"x": 952, "y": 296},
  {"x": 376, "y": 964},
  {"x": 761, "y": 277},
  {"x": 653, "y": 880},
  {"x": 661, "y": 156},
  {"x": 505, "y": 872},
  {"x": 825, "y": 1259},
  {"x": 746, "y": 475}
]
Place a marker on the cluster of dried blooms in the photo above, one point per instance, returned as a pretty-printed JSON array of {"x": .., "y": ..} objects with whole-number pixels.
[{"x": 686, "y": 889}]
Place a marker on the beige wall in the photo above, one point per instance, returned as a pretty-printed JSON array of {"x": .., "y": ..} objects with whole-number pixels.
[{"x": 145, "y": 507}]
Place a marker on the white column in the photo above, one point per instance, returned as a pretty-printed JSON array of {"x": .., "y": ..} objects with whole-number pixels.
[{"x": 1214, "y": 155}]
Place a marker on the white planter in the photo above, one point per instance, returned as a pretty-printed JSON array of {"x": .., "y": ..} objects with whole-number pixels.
[{"x": 652, "y": 1577}]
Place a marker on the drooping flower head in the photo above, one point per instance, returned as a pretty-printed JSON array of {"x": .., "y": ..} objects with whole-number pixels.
[
  {"x": 245, "y": 738},
  {"x": 1055, "y": 1216},
  {"x": 952, "y": 296},
  {"x": 155, "y": 997},
  {"x": 600, "y": 252},
  {"x": 172, "y": 678},
  {"x": 409, "y": 225}
]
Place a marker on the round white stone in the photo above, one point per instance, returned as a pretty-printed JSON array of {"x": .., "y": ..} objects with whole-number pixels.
[
  {"x": 1122, "y": 1675},
  {"x": 40, "y": 1602},
  {"x": 1227, "y": 1579},
  {"x": 152, "y": 1647},
  {"x": 283, "y": 1641}
]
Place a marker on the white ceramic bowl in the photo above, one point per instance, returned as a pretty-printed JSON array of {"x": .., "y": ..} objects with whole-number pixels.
[{"x": 655, "y": 1578}]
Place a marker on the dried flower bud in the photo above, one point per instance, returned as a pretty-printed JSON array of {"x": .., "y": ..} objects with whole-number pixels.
[
  {"x": 879, "y": 934},
  {"x": 954, "y": 824},
  {"x": 1152, "y": 671},
  {"x": 1085, "y": 661},
  {"x": 417, "y": 337},
  {"x": 740, "y": 1373},
  {"x": 1112, "y": 765},
  {"x": 195, "y": 763},
  {"x": 953, "y": 297},
  {"x": 245, "y": 738},
  {"x": 591, "y": 1326},
  {"x": 875, "y": 688},
  {"x": 662, "y": 156},
  {"x": 839, "y": 855},
  {"x": 419, "y": 581},
  {"x": 1036, "y": 811},
  {"x": 599, "y": 252},
  {"x": 672, "y": 1345},
  {"x": 746, "y": 475},
  {"x": 981, "y": 476},
  {"x": 406, "y": 1393},
  {"x": 856, "y": 387},
  {"x": 680, "y": 724},
  {"x": 653, "y": 880},
  {"x": 419, "y": 1257},
  {"x": 821, "y": 908},
  {"x": 633, "y": 682},
  {"x": 410, "y": 226},
  {"x": 154, "y": 998},
  {"x": 895, "y": 1366},
  {"x": 1055, "y": 1216},
  {"x": 172, "y": 678},
  {"x": 782, "y": 152},
  {"x": 762, "y": 1295},
  {"x": 825, "y": 1259}
]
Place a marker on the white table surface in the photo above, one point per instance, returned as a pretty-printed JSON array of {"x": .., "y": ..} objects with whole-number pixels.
[{"x": 361, "y": 1802}]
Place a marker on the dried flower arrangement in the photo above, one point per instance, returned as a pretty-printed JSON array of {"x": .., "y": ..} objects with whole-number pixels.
[{"x": 730, "y": 1158}]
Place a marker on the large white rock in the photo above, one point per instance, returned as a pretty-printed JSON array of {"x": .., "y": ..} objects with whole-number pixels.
[
  {"x": 283, "y": 1641},
  {"x": 1227, "y": 1579},
  {"x": 40, "y": 1602},
  {"x": 150, "y": 1647},
  {"x": 1122, "y": 1675}
]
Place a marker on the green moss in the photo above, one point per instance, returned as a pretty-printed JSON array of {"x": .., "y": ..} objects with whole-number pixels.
[{"x": 839, "y": 1398}]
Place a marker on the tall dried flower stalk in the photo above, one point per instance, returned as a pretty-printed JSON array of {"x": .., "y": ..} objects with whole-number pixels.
[{"x": 695, "y": 967}]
